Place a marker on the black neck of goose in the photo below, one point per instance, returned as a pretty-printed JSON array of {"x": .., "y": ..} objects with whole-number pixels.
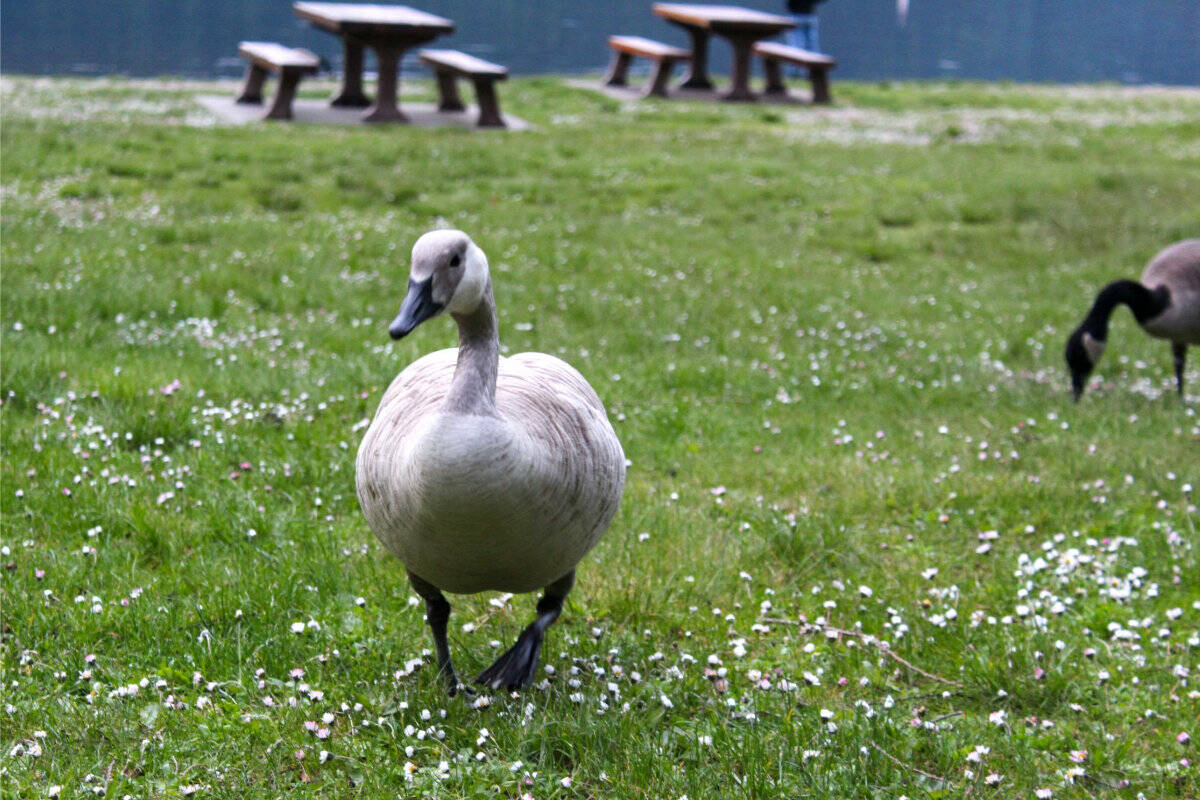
[
  {"x": 473, "y": 390},
  {"x": 1146, "y": 304}
]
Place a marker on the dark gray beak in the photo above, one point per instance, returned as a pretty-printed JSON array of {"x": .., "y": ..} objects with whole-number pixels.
[{"x": 417, "y": 307}]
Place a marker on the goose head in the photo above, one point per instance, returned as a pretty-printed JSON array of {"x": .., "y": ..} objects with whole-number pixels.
[
  {"x": 1083, "y": 351},
  {"x": 449, "y": 273}
]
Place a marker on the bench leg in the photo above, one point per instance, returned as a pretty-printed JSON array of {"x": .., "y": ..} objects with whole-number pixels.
[
  {"x": 489, "y": 106},
  {"x": 289, "y": 79},
  {"x": 819, "y": 77},
  {"x": 775, "y": 85},
  {"x": 662, "y": 75},
  {"x": 448, "y": 99},
  {"x": 256, "y": 76},
  {"x": 618, "y": 70}
]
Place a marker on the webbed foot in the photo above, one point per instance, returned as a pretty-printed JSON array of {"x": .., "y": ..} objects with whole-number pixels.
[{"x": 515, "y": 668}]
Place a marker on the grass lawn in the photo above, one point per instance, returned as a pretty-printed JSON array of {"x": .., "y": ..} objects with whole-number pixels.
[{"x": 868, "y": 547}]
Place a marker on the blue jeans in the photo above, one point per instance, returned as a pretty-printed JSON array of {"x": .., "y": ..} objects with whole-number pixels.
[{"x": 804, "y": 35}]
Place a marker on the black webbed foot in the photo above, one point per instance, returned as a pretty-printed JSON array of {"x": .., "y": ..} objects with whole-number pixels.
[
  {"x": 516, "y": 667},
  {"x": 458, "y": 687}
]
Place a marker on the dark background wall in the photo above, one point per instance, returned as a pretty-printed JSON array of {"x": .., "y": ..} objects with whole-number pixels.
[{"x": 1145, "y": 41}]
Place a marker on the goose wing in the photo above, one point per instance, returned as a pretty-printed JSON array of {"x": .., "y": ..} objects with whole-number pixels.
[
  {"x": 555, "y": 406},
  {"x": 413, "y": 396},
  {"x": 417, "y": 391},
  {"x": 1178, "y": 268}
]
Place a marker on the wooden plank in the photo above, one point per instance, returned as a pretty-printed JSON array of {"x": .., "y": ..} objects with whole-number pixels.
[
  {"x": 641, "y": 46},
  {"x": 794, "y": 55},
  {"x": 337, "y": 16},
  {"x": 728, "y": 17},
  {"x": 463, "y": 63},
  {"x": 278, "y": 55}
]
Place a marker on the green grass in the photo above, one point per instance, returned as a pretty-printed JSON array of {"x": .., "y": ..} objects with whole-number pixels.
[{"x": 830, "y": 341}]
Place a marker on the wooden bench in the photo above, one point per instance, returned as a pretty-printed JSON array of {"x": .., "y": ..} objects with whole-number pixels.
[
  {"x": 774, "y": 54},
  {"x": 664, "y": 56},
  {"x": 290, "y": 63},
  {"x": 449, "y": 66}
]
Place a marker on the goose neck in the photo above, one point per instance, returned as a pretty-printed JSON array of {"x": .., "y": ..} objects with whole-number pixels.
[
  {"x": 473, "y": 389},
  {"x": 1144, "y": 303}
]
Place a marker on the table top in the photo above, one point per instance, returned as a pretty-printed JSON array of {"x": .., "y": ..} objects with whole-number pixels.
[
  {"x": 339, "y": 17},
  {"x": 462, "y": 61},
  {"x": 724, "y": 18},
  {"x": 278, "y": 54}
]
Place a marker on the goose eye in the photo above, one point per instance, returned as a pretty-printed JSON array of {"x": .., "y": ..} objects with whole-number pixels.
[{"x": 454, "y": 262}]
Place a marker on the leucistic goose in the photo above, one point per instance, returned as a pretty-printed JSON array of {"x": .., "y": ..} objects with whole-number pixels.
[
  {"x": 485, "y": 473},
  {"x": 1166, "y": 304}
]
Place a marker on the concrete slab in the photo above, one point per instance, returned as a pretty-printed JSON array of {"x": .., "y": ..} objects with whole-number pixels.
[
  {"x": 631, "y": 93},
  {"x": 308, "y": 111}
]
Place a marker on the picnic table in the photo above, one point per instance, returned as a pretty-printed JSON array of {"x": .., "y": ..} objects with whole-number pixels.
[
  {"x": 741, "y": 26},
  {"x": 388, "y": 30}
]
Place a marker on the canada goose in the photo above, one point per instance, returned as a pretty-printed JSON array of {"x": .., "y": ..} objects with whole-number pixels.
[
  {"x": 1166, "y": 305},
  {"x": 481, "y": 472}
]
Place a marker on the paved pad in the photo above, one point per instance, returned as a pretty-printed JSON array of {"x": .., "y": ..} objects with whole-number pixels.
[
  {"x": 797, "y": 95},
  {"x": 319, "y": 112}
]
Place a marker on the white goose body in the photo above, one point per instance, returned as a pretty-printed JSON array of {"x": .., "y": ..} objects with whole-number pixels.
[
  {"x": 509, "y": 502},
  {"x": 481, "y": 472}
]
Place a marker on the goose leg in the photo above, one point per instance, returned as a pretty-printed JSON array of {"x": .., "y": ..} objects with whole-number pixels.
[
  {"x": 1179, "y": 351},
  {"x": 437, "y": 613},
  {"x": 515, "y": 669}
]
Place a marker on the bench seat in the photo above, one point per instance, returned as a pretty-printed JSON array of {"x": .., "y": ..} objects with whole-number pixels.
[
  {"x": 290, "y": 63},
  {"x": 449, "y": 66},
  {"x": 664, "y": 55},
  {"x": 818, "y": 64}
]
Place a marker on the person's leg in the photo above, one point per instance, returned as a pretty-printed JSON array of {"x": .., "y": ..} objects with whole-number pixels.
[
  {"x": 803, "y": 36},
  {"x": 794, "y": 37}
]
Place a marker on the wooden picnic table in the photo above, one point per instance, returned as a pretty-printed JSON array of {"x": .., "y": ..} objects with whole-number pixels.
[
  {"x": 389, "y": 31},
  {"x": 741, "y": 26}
]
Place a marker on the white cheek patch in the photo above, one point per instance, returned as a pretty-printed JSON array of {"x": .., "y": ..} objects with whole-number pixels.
[
  {"x": 470, "y": 287},
  {"x": 1094, "y": 347}
]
